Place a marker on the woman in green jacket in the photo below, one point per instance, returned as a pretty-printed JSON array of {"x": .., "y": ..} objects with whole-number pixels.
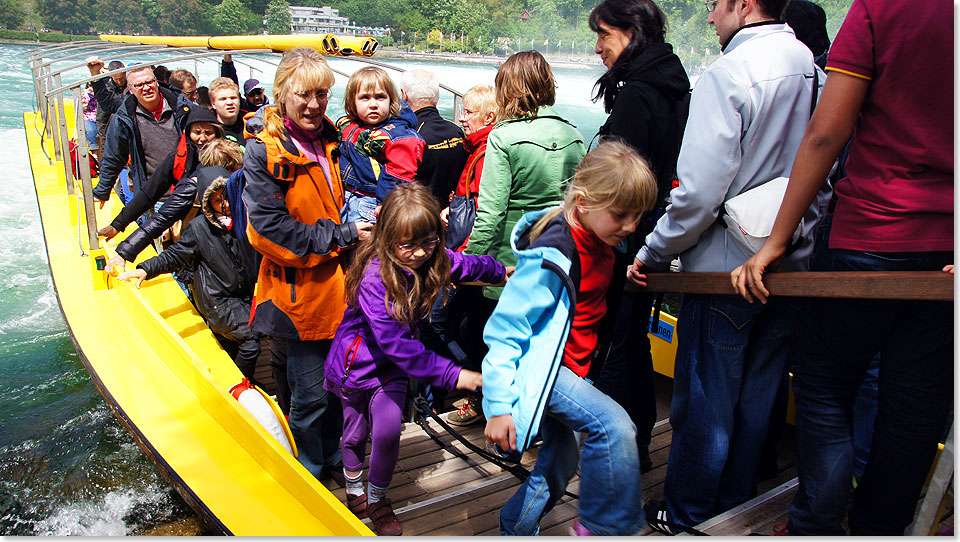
[{"x": 530, "y": 156}]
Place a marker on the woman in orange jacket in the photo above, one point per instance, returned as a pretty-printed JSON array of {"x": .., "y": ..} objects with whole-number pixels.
[{"x": 293, "y": 195}]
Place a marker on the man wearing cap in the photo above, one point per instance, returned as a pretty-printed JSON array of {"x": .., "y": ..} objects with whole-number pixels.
[
  {"x": 254, "y": 97},
  {"x": 146, "y": 128},
  {"x": 108, "y": 91}
]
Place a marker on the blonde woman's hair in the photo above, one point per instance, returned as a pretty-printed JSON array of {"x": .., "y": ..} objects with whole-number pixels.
[
  {"x": 301, "y": 68},
  {"x": 369, "y": 78},
  {"x": 483, "y": 99},
  {"x": 222, "y": 152},
  {"x": 410, "y": 212},
  {"x": 613, "y": 175},
  {"x": 221, "y": 83},
  {"x": 524, "y": 83}
]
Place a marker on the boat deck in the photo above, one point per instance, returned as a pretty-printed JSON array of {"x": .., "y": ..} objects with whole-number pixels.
[
  {"x": 437, "y": 492},
  {"x": 434, "y": 492}
]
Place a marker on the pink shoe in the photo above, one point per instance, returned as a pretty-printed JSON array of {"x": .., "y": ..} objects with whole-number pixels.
[{"x": 579, "y": 530}]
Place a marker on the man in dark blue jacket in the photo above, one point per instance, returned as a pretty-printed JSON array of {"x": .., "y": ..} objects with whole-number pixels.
[{"x": 144, "y": 131}]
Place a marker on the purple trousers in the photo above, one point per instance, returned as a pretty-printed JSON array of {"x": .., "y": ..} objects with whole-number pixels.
[{"x": 377, "y": 415}]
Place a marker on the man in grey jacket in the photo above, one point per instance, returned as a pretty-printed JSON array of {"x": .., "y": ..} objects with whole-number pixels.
[{"x": 748, "y": 114}]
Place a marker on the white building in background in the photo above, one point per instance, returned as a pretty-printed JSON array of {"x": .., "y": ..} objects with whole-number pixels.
[{"x": 327, "y": 20}]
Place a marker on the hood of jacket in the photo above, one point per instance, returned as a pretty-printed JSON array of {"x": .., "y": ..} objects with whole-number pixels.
[
  {"x": 658, "y": 67},
  {"x": 209, "y": 180}
]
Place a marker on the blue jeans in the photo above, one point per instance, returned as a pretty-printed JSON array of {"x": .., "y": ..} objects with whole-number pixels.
[
  {"x": 731, "y": 356},
  {"x": 610, "y": 501},
  {"x": 840, "y": 340},
  {"x": 358, "y": 208},
  {"x": 864, "y": 416},
  {"x": 316, "y": 419},
  {"x": 90, "y": 130}
]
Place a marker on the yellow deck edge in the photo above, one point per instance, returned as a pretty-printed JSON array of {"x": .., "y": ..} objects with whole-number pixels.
[{"x": 162, "y": 372}]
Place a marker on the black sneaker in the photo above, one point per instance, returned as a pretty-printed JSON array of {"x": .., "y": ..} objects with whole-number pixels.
[{"x": 656, "y": 512}]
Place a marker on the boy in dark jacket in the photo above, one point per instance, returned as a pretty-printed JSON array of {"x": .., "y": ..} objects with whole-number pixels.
[{"x": 224, "y": 270}]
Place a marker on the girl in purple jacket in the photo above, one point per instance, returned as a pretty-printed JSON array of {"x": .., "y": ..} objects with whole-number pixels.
[{"x": 396, "y": 277}]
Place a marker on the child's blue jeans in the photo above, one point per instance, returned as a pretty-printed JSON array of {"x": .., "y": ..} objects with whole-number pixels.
[
  {"x": 358, "y": 208},
  {"x": 611, "y": 500}
]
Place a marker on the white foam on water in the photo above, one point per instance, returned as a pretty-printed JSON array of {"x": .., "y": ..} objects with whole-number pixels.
[{"x": 104, "y": 516}]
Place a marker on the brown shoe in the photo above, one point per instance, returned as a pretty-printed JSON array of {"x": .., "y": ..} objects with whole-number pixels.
[
  {"x": 465, "y": 415},
  {"x": 385, "y": 522},
  {"x": 357, "y": 504}
]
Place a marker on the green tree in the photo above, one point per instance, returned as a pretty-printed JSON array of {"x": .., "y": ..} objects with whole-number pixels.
[
  {"x": 124, "y": 16},
  {"x": 231, "y": 18},
  {"x": 434, "y": 39},
  {"x": 71, "y": 16},
  {"x": 11, "y": 14},
  {"x": 151, "y": 11},
  {"x": 180, "y": 17},
  {"x": 258, "y": 7},
  {"x": 278, "y": 17}
]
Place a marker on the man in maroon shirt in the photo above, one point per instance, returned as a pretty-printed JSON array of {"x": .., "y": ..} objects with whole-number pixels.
[{"x": 890, "y": 85}]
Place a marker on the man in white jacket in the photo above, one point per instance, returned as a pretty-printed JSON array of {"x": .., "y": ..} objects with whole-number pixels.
[{"x": 748, "y": 114}]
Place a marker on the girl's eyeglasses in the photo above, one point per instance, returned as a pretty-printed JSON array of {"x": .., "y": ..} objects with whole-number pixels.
[{"x": 412, "y": 247}]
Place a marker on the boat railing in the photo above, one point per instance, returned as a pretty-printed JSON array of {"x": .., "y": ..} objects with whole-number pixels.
[{"x": 905, "y": 285}]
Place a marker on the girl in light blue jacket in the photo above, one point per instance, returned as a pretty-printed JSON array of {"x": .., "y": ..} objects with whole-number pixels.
[{"x": 550, "y": 339}]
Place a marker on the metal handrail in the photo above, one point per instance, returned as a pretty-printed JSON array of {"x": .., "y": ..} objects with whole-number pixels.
[
  {"x": 140, "y": 65},
  {"x": 45, "y": 50},
  {"x": 125, "y": 47}
]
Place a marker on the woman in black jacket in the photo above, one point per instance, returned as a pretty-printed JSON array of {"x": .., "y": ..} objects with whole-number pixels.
[
  {"x": 224, "y": 270},
  {"x": 646, "y": 92}
]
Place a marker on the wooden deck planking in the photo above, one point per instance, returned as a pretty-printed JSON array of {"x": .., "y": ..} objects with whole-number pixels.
[{"x": 436, "y": 493}]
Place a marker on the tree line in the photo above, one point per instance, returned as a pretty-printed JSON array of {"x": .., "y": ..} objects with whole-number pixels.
[{"x": 471, "y": 26}]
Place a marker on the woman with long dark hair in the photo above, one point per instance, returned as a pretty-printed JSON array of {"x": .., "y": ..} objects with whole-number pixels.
[{"x": 645, "y": 89}]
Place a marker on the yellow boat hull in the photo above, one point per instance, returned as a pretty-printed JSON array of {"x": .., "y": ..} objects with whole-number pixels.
[{"x": 161, "y": 370}]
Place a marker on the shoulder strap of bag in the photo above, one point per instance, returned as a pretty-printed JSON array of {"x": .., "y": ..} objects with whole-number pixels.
[
  {"x": 471, "y": 167},
  {"x": 816, "y": 90}
]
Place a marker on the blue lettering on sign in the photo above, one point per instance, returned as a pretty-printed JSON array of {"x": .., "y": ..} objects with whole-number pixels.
[{"x": 663, "y": 330}]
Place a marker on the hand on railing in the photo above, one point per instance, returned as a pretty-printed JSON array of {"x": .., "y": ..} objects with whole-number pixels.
[
  {"x": 116, "y": 261},
  {"x": 748, "y": 278},
  {"x": 638, "y": 273},
  {"x": 94, "y": 64},
  {"x": 948, "y": 269},
  {"x": 107, "y": 232},
  {"x": 138, "y": 274}
]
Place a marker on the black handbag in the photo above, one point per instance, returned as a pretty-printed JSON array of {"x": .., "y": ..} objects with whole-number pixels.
[{"x": 463, "y": 209}]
